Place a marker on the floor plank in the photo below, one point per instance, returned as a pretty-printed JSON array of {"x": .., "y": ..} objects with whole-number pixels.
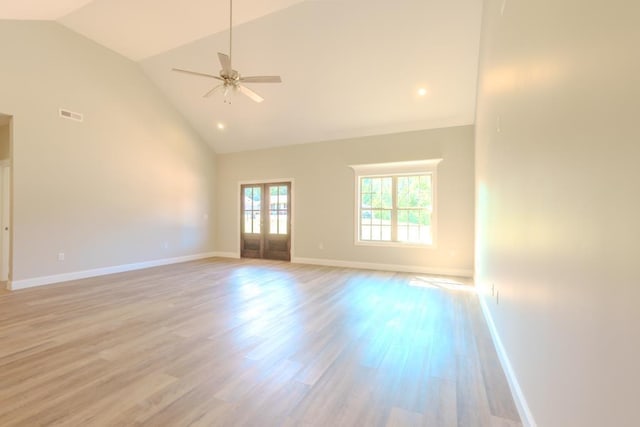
[{"x": 250, "y": 343}]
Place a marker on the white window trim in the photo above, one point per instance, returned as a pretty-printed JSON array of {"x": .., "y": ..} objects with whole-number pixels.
[{"x": 429, "y": 166}]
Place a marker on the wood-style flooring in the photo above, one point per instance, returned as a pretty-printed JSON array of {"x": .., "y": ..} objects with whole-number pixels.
[{"x": 254, "y": 343}]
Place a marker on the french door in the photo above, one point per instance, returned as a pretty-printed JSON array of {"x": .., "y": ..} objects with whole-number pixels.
[{"x": 265, "y": 229}]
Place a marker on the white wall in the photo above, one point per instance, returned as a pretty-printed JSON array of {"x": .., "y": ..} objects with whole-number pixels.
[
  {"x": 113, "y": 189},
  {"x": 324, "y": 195},
  {"x": 558, "y": 203}
]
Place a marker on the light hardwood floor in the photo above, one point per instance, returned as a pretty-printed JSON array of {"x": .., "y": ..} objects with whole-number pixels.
[{"x": 255, "y": 343}]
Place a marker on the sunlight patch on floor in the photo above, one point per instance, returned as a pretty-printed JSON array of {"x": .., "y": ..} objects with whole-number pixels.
[{"x": 440, "y": 283}]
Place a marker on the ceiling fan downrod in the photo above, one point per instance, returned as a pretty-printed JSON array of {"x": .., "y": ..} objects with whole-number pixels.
[{"x": 230, "y": 28}]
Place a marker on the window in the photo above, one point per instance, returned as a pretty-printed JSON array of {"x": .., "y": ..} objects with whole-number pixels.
[{"x": 395, "y": 203}]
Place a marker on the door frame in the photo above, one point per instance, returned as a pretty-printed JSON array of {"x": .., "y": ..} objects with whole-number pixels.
[
  {"x": 5, "y": 221},
  {"x": 7, "y": 239},
  {"x": 238, "y": 210}
]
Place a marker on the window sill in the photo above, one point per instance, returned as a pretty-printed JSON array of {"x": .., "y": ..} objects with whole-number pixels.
[{"x": 396, "y": 245}]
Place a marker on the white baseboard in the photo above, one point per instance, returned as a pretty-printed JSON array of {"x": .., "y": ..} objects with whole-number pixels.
[
  {"x": 234, "y": 255},
  {"x": 75, "y": 275},
  {"x": 521, "y": 403},
  {"x": 385, "y": 267}
]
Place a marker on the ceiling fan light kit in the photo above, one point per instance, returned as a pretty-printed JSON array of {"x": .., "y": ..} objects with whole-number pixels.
[{"x": 230, "y": 79}]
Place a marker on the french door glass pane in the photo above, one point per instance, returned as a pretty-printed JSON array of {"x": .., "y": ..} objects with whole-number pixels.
[
  {"x": 278, "y": 209},
  {"x": 247, "y": 222},
  {"x": 282, "y": 222},
  {"x": 256, "y": 222},
  {"x": 252, "y": 204},
  {"x": 273, "y": 222},
  {"x": 248, "y": 198}
]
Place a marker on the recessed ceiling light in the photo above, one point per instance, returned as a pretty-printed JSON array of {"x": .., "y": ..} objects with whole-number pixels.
[
  {"x": 422, "y": 91},
  {"x": 220, "y": 126}
]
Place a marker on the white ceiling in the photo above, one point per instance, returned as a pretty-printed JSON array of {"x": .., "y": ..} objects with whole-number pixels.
[
  {"x": 38, "y": 9},
  {"x": 349, "y": 67}
]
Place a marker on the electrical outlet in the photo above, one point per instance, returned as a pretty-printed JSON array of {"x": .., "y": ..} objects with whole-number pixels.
[
  {"x": 60, "y": 256},
  {"x": 321, "y": 246},
  {"x": 497, "y": 297}
]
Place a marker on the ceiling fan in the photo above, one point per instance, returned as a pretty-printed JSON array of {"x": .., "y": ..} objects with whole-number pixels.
[{"x": 230, "y": 79}]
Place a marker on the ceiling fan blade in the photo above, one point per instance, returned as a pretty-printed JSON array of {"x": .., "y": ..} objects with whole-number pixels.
[
  {"x": 225, "y": 61},
  {"x": 251, "y": 94},
  {"x": 208, "y": 94},
  {"x": 195, "y": 73},
  {"x": 261, "y": 79}
]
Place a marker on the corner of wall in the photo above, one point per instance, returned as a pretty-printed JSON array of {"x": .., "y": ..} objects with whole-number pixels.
[{"x": 521, "y": 402}]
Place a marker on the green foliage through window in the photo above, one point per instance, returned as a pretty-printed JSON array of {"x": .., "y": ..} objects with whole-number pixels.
[{"x": 396, "y": 208}]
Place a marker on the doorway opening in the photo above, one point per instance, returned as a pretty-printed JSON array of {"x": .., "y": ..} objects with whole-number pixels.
[
  {"x": 6, "y": 134},
  {"x": 265, "y": 220}
]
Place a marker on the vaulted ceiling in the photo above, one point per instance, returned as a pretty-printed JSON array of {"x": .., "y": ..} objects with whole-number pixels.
[{"x": 349, "y": 67}]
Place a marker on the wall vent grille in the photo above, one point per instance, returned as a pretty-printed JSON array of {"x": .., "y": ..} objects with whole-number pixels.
[{"x": 66, "y": 114}]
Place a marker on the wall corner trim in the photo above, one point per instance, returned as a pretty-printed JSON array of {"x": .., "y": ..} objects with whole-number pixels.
[
  {"x": 520, "y": 401},
  {"x": 83, "y": 274},
  {"x": 384, "y": 267}
]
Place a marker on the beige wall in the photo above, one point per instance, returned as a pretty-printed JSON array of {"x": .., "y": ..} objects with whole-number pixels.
[
  {"x": 324, "y": 195},
  {"x": 5, "y": 142},
  {"x": 558, "y": 203},
  {"x": 112, "y": 189}
]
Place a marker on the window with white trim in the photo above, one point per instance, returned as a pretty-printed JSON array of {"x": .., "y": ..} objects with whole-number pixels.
[{"x": 395, "y": 203}]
